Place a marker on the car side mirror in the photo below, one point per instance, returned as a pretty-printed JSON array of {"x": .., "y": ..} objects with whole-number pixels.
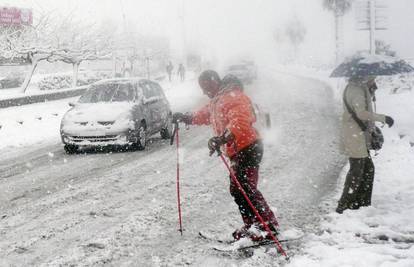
[{"x": 72, "y": 104}]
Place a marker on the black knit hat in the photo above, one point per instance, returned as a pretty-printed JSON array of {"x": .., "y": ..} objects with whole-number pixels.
[{"x": 209, "y": 75}]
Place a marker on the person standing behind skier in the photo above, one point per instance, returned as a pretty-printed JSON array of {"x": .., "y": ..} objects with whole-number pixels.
[{"x": 231, "y": 114}]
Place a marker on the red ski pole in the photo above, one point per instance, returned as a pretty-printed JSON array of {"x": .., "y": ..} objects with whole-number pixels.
[
  {"x": 234, "y": 178},
  {"x": 178, "y": 178}
]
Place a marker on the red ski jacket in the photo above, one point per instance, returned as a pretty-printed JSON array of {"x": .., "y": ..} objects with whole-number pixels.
[{"x": 230, "y": 109}]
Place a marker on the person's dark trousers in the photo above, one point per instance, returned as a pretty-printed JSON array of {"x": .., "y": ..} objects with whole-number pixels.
[
  {"x": 358, "y": 184},
  {"x": 245, "y": 165},
  {"x": 365, "y": 190}
]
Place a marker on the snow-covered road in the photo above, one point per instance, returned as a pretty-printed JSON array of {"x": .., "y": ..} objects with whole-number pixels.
[{"x": 120, "y": 208}]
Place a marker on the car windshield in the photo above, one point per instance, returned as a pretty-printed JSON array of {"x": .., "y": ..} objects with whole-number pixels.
[
  {"x": 108, "y": 92},
  {"x": 237, "y": 67}
]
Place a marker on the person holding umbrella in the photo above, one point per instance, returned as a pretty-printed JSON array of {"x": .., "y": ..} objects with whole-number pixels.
[
  {"x": 359, "y": 133},
  {"x": 357, "y": 142}
]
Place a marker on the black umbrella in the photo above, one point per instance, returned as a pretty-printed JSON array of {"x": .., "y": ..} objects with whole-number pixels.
[{"x": 371, "y": 65}]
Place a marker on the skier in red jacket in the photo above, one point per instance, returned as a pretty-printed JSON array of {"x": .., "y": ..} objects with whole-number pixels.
[{"x": 231, "y": 114}]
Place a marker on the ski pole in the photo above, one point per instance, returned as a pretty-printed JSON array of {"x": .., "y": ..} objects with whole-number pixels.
[
  {"x": 175, "y": 134},
  {"x": 236, "y": 181}
]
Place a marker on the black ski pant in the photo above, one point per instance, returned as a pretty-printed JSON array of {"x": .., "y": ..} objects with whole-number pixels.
[{"x": 358, "y": 184}]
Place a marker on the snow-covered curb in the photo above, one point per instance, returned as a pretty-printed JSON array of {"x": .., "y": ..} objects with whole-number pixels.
[
  {"x": 380, "y": 235},
  {"x": 10, "y": 94}
]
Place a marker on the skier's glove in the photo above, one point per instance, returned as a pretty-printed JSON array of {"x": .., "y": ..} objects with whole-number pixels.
[
  {"x": 216, "y": 142},
  {"x": 186, "y": 118},
  {"x": 389, "y": 121}
]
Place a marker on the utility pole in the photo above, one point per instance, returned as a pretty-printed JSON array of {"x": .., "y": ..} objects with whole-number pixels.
[
  {"x": 147, "y": 60},
  {"x": 339, "y": 42},
  {"x": 372, "y": 27},
  {"x": 183, "y": 32},
  {"x": 371, "y": 16}
]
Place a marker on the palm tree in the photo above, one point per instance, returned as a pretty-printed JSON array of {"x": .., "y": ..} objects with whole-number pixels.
[{"x": 339, "y": 8}]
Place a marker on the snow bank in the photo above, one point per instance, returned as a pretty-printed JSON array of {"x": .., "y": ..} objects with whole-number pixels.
[
  {"x": 31, "y": 124},
  {"x": 383, "y": 234},
  {"x": 395, "y": 97}
]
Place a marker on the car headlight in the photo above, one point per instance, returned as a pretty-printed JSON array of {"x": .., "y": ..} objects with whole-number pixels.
[{"x": 125, "y": 119}]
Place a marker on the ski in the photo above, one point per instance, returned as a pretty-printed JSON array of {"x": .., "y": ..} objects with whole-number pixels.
[
  {"x": 242, "y": 245},
  {"x": 209, "y": 237},
  {"x": 233, "y": 248}
]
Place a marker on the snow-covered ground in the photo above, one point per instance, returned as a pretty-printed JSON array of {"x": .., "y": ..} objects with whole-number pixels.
[
  {"x": 383, "y": 234},
  {"x": 118, "y": 209},
  {"x": 399, "y": 104},
  {"x": 32, "y": 89},
  {"x": 31, "y": 124}
]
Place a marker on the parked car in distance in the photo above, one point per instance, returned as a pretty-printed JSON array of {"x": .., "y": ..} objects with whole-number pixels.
[
  {"x": 119, "y": 112},
  {"x": 244, "y": 72},
  {"x": 251, "y": 66}
]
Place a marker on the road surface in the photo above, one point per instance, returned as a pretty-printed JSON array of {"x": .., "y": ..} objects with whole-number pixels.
[{"x": 119, "y": 209}]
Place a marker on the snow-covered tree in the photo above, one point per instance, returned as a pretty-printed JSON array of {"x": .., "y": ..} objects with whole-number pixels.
[
  {"x": 295, "y": 32},
  {"x": 289, "y": 37},
  {"x": 77, "y": 42},
  {"x": 56, "y": 39},
  {"x": 339, "y": 8},
  {"x": 382, "y": 48},
  {"x": 29, "y": 42},
  {"x": 136, "y": 52}
]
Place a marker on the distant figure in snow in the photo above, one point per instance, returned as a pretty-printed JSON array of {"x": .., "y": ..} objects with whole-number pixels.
[
  {"x": 169, "y": 69},
  {"x": 181, "y": 72},
  {"x": 358, "y": 95},
  {"x": 230, "y": 113}
]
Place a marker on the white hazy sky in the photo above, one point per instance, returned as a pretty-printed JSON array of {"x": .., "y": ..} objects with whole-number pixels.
[{"x": 231, "y": 27}]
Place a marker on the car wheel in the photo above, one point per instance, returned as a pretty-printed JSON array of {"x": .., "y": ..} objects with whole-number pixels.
[
  {"x": 166, "y": 132},
  {"x": 71, "y": 149},
  {"x": 141, "y": 137}
]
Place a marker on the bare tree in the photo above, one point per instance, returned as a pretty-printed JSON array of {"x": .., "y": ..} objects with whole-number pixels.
[
  {"x": 295, "y": 32},
  {"x": 339, "y": 8},
  {"x": 140, "y": 54}
]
